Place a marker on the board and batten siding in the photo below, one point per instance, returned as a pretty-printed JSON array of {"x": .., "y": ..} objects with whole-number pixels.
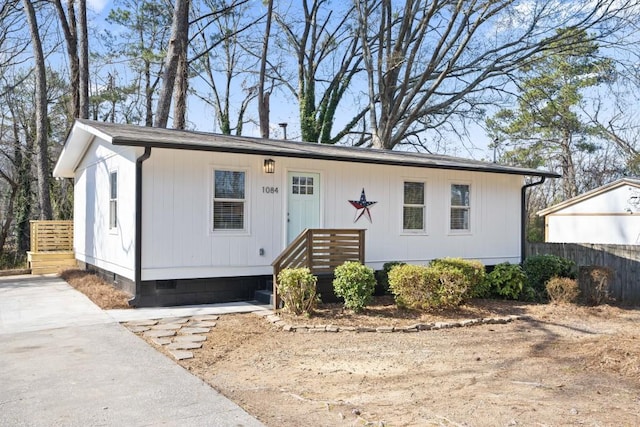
[
  {"x": 95, "y": 243},
  {"x": 606, "y": 218},
  {"x": 178, "y": 241}
]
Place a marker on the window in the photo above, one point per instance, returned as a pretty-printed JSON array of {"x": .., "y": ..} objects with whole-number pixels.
[
  {"x": 113, "y": 200},
  {"x": 460, "y": 207},
  {"x": 229, "y": 200},
  {"x": 302, "y": 185},
  {"x": 413, "y": 206}
]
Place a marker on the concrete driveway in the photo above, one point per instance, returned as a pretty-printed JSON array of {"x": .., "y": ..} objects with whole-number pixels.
[{"x": 65, "y": 362}]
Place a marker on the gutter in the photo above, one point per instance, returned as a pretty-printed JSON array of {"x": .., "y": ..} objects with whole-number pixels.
[
  {"x": 138, "y": 226},
  {"x": 523, "y": 216}
]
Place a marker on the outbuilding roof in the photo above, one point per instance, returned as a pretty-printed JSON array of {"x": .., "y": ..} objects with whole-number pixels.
[
  {"x": 634, "y": 182},
  {"x": 84, "y": 130}
]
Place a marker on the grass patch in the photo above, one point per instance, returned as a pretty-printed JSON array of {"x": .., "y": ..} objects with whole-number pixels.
[{"x": 102, "y": 294}]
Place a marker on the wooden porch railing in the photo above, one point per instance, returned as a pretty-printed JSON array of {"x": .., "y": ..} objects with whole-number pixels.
[
  {"x": 321, "y": 250},
  {"x": 48, "y": 236}
]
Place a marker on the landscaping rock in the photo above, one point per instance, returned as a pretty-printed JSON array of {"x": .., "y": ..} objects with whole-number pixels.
[{"x": 161, "y": 341}]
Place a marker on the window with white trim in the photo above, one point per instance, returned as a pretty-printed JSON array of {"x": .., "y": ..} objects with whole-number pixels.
[
  {"x": 413, "y": 208},
  {"x": 460, "y": 207},
  {"x": 229, "y": 200},
  {"x": 113, "y": 200}
]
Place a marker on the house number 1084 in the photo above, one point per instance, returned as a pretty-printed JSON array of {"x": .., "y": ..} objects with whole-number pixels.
[{"x": 270, "y": 190}]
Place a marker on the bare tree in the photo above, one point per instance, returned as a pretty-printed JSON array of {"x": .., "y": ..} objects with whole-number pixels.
[
  {"x": 75, "y": 31},
  {"x": 83, "y": 55},
  {"x": 263, "y": 97},
  {"x": 223, "y": 65},
  {"x": 177, "y": 48},
  {"x": 430, "y": 61},
  {"x": 328, "y": 56},
  {"x": 141, "y": 43},
  {"x": 40, "y": 96}
]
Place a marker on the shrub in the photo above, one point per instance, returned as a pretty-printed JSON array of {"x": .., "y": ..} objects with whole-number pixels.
[
  {"x": 420, "y": 287},
  {"x": 297, "y": 288},
  {"x": 594, "y": 282},
  {"x": 540, "y": 268},
  {"x": 562, "y": 289},
  {"x": 474, "y": 272},
  {"x": 508, "y": 280},
  {"x": 355, "y": 283},
  {"x": 382, "y": 277}
]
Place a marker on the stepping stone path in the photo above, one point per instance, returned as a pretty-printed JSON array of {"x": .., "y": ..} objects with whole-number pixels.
[{"x": 177, "y": 335}]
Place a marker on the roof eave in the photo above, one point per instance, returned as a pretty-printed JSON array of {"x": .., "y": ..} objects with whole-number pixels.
[{"x": 319, "y": 156}]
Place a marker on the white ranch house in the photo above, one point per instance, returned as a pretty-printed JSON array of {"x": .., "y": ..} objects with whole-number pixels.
[
  {"x": 179, "y": 217},
  {"x": 607, "y": 215}
]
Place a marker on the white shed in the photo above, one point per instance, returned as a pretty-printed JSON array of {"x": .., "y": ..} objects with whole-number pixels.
[
  {"x": 180, "y": 217},
  {"x": 607, "y": 215}
]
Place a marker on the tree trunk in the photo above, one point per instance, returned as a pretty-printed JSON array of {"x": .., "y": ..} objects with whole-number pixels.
[
  {"x": 180, "y": 93},
  {"x": 177, "y": 46},
  {"x": 42, "y": 152},
  {"x": 68, "y": 24},
  {"x": 263, "y": 98},
  {"x": 83, "y": 76}
]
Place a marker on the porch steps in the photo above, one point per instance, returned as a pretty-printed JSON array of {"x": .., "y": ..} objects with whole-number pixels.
[
  {"x": 50, "y": 262},
  {"x": 264, "y": 296}
]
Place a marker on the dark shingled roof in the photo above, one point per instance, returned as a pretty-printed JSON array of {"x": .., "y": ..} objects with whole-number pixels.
[{"x": 139, "y": 136}]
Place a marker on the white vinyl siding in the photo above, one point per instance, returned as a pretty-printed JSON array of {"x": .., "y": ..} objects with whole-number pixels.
[
  {"x": 460, "y": 213},
  {"x": 413, "y": 209},
  {"x": 229, "y": 203}
]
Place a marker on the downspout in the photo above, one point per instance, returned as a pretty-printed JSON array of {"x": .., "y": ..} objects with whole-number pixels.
[
  {"x": 138, "y": 225},
  {"x": 523, "y": 216}
]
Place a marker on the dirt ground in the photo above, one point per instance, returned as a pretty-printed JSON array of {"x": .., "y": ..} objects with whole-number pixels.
[{"x": 566, "y": 365}]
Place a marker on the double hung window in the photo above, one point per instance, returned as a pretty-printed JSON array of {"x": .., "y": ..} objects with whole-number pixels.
[
  {"x": 113, "y": 200},
  {"x": 413, "y": 210},
  {"x": 229, "y": 201},
  {"x": 460, "y": 207}
]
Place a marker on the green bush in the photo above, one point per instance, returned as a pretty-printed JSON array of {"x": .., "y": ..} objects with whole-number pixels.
[
  {"x": 382, "y": 277},
  {"x": 562, "y": 289},
  {"x": 540, "y": 268},
  {"x": 422, "y": 287},
  {"x": 474, "y": 272},
  {"x": 508, "y": 280},
  {"x": 297, "y": 289},
  {"x": 355, "y": 283}
]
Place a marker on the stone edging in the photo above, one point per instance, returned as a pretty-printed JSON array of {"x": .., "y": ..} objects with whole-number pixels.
[{"x": 275, "y": 320}]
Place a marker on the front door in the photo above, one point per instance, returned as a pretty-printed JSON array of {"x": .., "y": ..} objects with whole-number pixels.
[{"x": 303, "y": 206}]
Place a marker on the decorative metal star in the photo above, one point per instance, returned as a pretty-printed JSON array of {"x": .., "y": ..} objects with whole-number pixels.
[{"x": 362, "y": 207}]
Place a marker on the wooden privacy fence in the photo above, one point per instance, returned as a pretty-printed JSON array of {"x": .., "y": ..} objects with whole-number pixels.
[
  {"x": 47, "y": 236},
  {"x": 51, "y": 246},
  {"x": 624, "y": 260},
  {"x": 321, "y": 250}
]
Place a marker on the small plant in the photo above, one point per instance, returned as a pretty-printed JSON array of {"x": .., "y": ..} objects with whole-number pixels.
[
  {"x": 421, "y": 287},
  {"x": 355, "y": 283},
  {"x": 508, "y": 280},
  {"x": 594, "y": 283},
  {"x": 297, "y": 288},
  {"x": 540, "y": 268},
  {"x": 562, "y": 289},
  {"x": 474, "y": 272},
  {"x": 382, "y": 277}
]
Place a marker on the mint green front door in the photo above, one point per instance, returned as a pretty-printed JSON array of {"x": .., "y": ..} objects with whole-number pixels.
[{"x": 303, "y": 204}]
